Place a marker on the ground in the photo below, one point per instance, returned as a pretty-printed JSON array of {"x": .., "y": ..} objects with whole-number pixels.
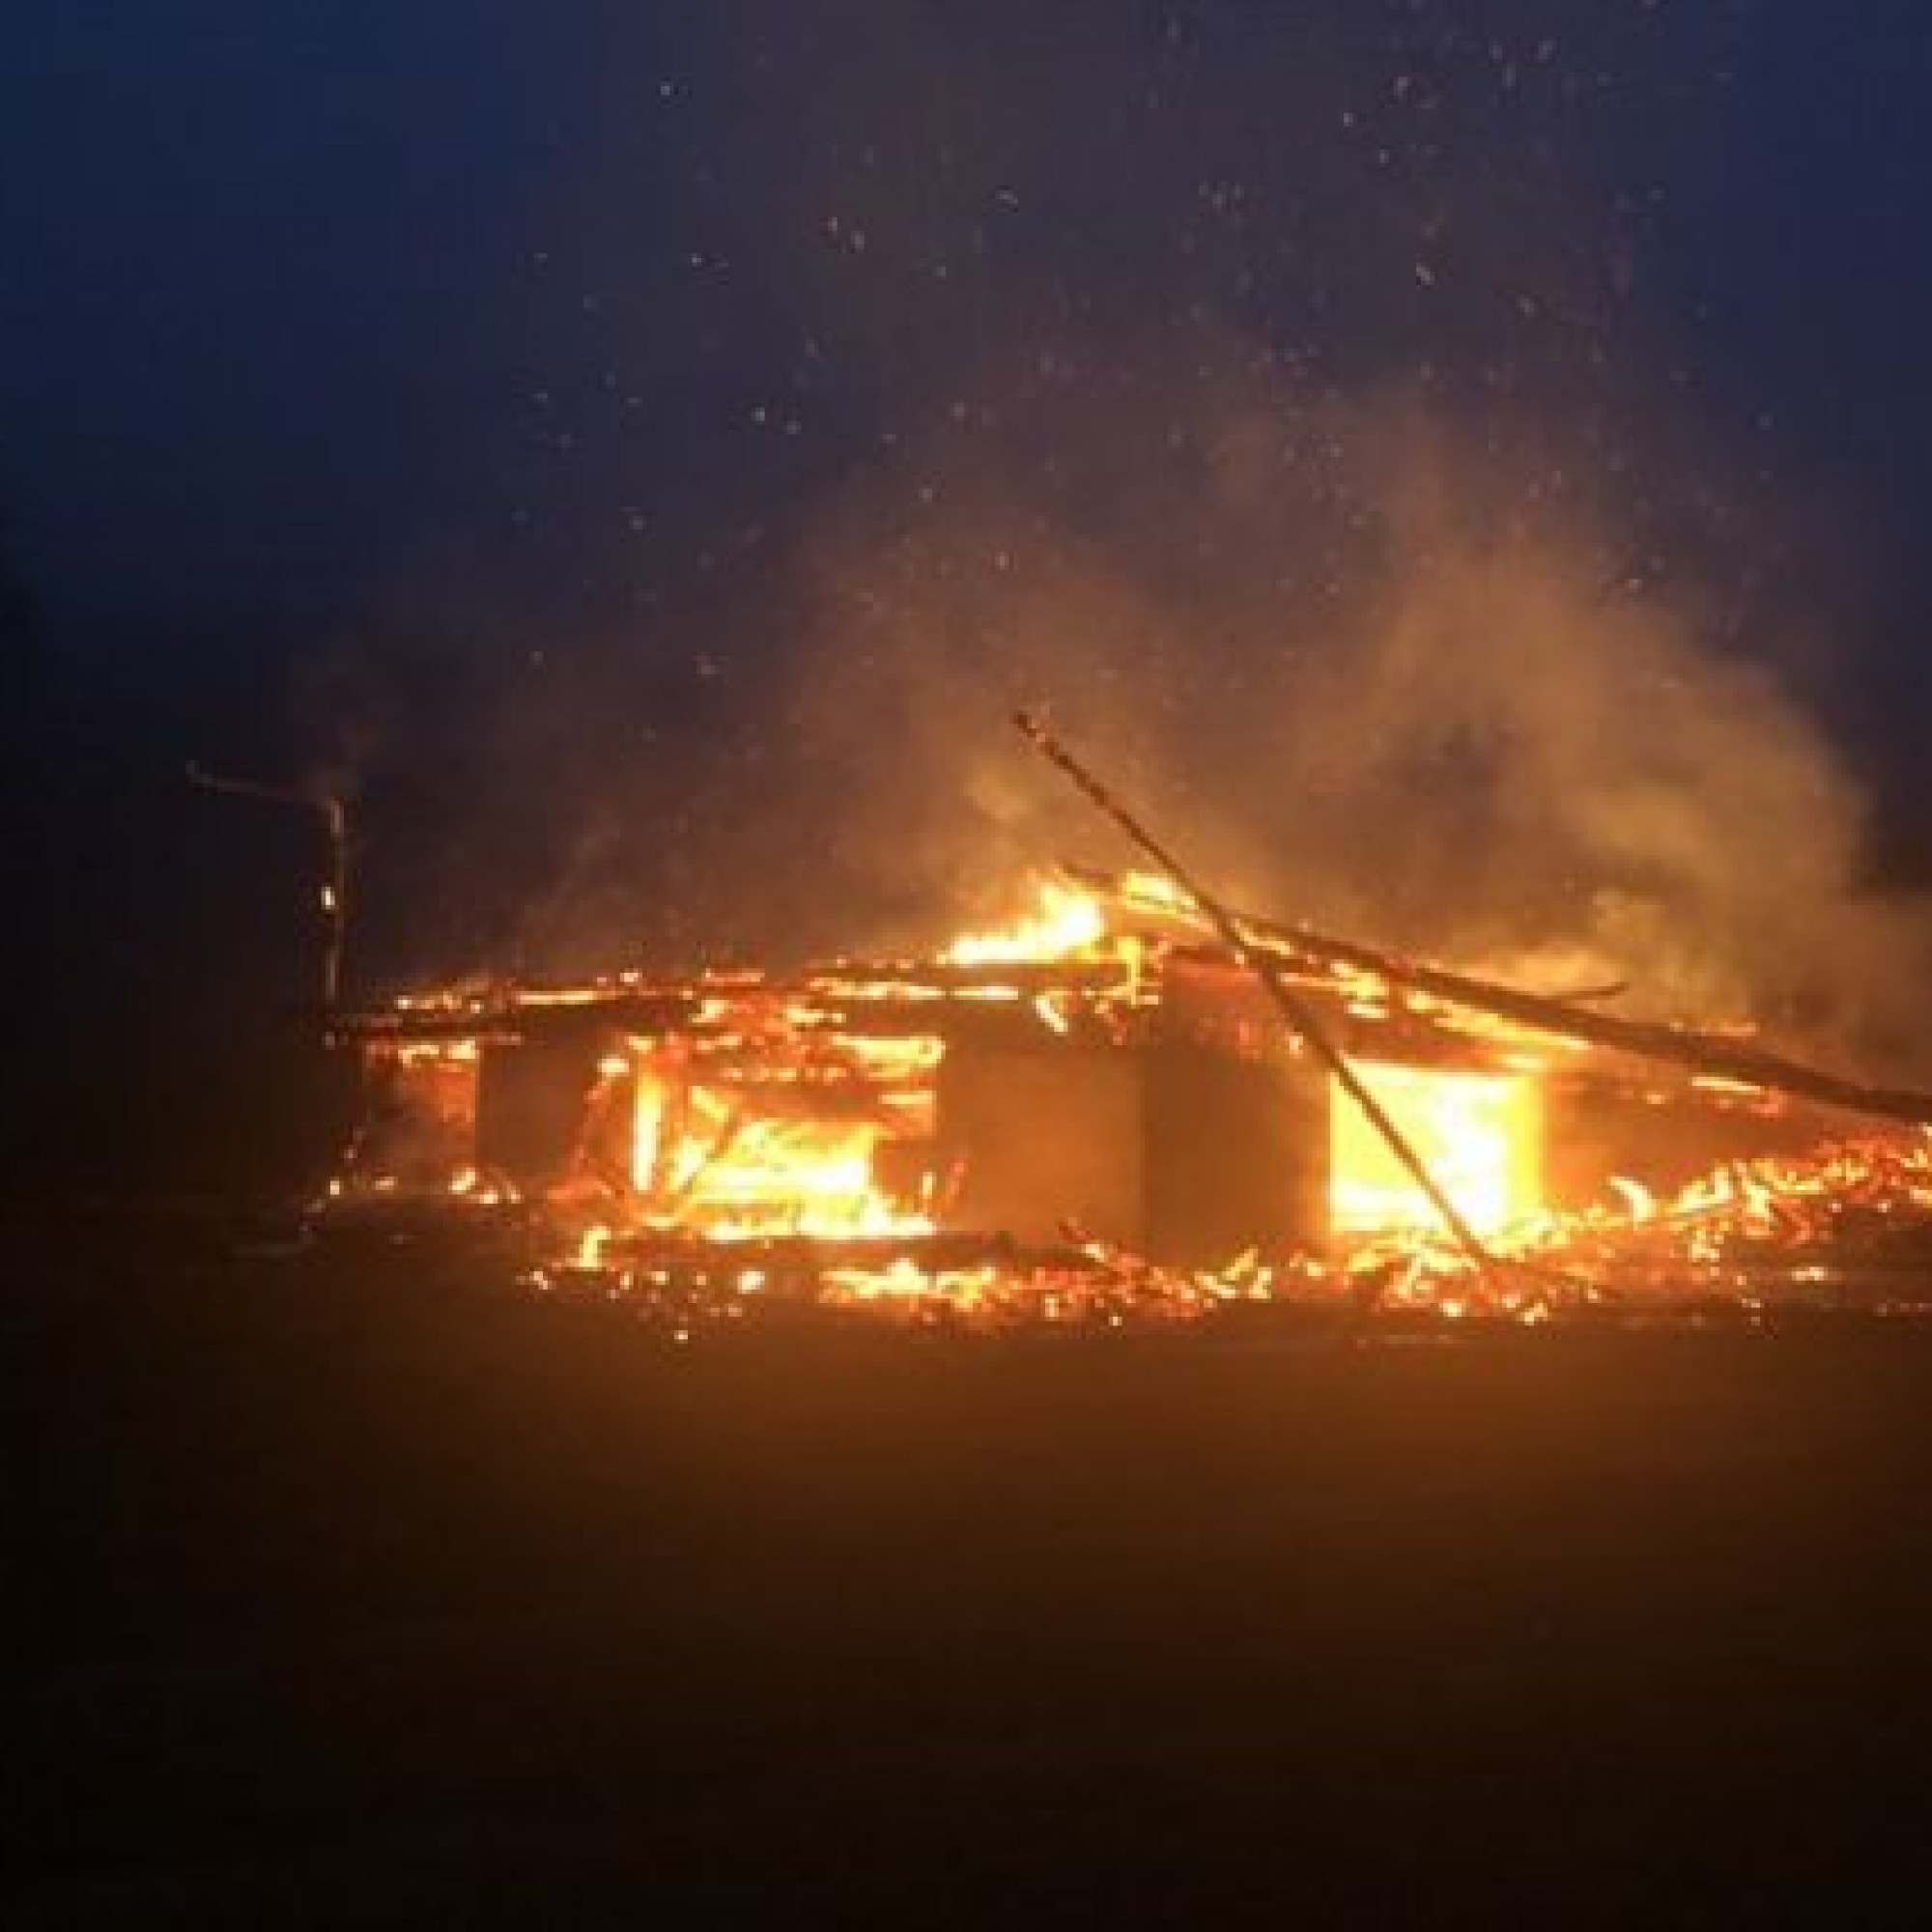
[{"x": 366, "y": 1602}]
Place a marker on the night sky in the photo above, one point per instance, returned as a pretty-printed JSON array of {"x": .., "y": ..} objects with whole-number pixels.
[{"x": 639, "y": 452}]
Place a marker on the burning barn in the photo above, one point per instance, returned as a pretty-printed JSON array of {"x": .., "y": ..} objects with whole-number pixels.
[{"x": 1106, "y": 1079}]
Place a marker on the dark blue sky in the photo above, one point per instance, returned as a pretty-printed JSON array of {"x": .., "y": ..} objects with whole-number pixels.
[
  {"x": 529, "y": 353},
  {"x": 295, "y": 294},
  {"x": 262, "y": 317}
]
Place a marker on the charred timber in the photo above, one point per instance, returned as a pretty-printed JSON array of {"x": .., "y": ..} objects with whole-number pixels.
[
  {"x": 837, "y": 994},
  {"x": 1686, "y": 1047}
]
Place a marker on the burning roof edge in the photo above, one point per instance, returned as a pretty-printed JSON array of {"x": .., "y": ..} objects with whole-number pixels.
[{"x": 1430, "y": 999}]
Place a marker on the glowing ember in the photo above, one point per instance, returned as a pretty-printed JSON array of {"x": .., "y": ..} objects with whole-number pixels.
[{"x": 1479, "y": 1134}]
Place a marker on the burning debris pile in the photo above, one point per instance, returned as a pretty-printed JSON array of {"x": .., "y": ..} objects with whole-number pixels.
[
  {"x": 1846, "y": 1226},
  {"x": 1131, "y": 1109}
]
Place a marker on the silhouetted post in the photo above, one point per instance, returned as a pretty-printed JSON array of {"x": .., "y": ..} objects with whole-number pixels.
[{"x": 333, "y": 894}]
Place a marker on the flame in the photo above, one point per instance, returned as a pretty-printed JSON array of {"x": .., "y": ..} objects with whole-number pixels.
[
  {"x": 1479, "y": 1134},
  {"x": 704, "y": 1161},
  {"x": 1639, "y": 1200},
  {"x": 1062, "y": 920}
]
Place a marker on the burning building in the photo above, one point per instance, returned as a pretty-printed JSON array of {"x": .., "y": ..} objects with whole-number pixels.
[{"x": 1105, "y": 1079}]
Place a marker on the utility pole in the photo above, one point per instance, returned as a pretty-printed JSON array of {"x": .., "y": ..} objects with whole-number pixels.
[{"x": 332, "y": 894}]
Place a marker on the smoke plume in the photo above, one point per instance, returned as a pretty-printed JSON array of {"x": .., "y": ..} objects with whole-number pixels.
[
  {"x": 1294, "y": 401},
  {"x": 1372, "y": 667}
]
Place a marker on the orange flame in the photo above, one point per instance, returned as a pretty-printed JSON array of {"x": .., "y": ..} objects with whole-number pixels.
[
  {"x": 1479, "y": 1134},
  {"x": 703, "y": 1162},
  {"x": 1062, "y": 920}
]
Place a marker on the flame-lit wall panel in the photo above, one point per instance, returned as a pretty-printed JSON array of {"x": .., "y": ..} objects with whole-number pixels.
[
  {"x": 1186, "y": 1155},
  {"x": 1033, "y": 1137},
  {"x": 530, "y": 1105},
  {"x": 1238, "y": 1155}
]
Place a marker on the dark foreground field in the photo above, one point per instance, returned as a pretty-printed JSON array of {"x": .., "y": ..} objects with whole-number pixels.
[{"x": 361, "y": 1606}]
